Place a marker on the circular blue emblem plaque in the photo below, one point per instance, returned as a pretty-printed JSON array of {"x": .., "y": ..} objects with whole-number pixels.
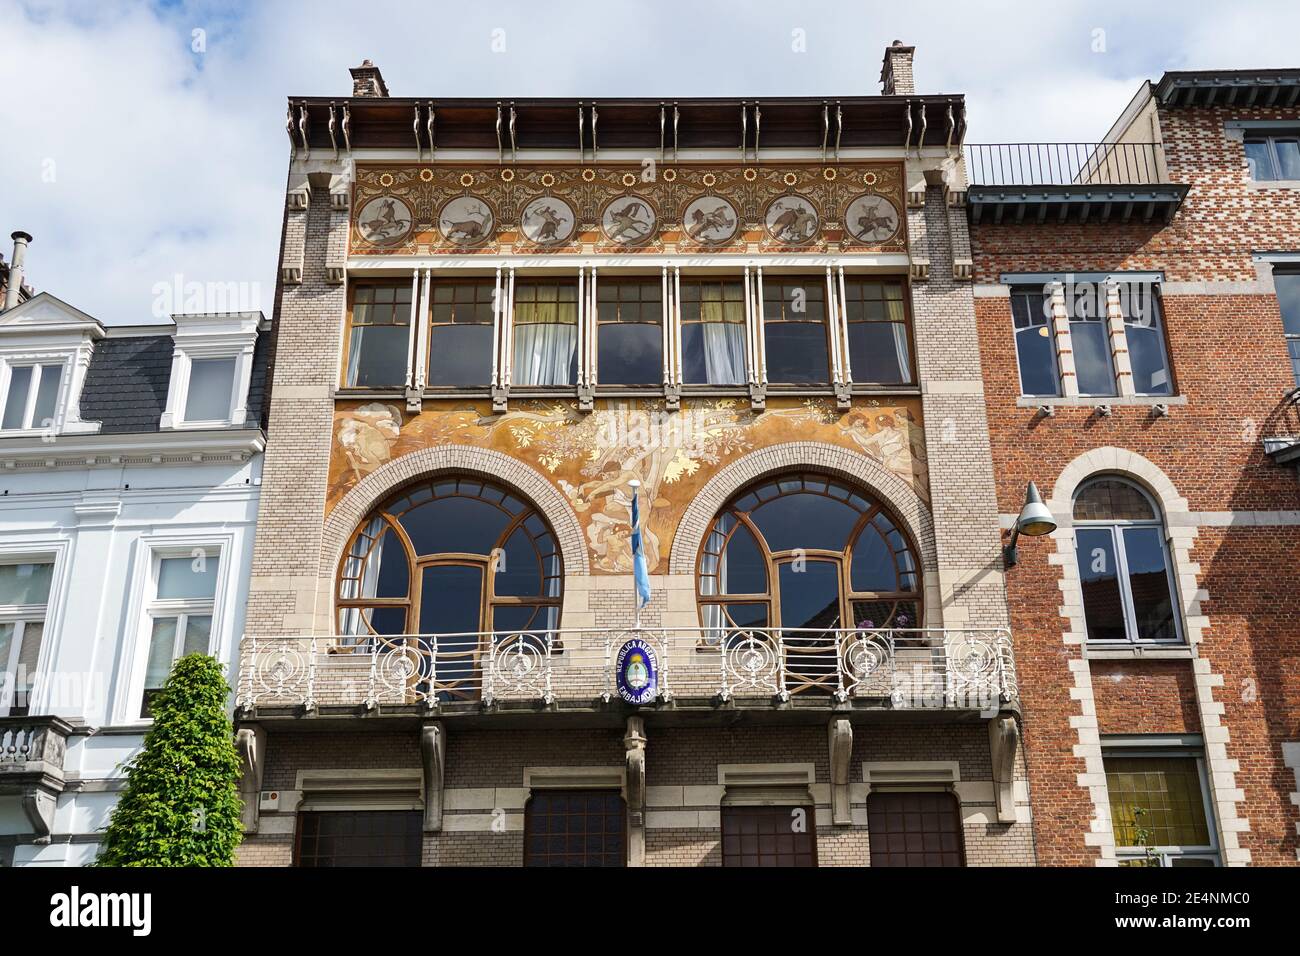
[{"x": 637, "y": 670}]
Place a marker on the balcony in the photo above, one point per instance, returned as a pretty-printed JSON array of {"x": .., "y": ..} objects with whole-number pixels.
[
  {"x": 31, "y": 767},
  {"x": 1036, "y": 182},
  {"x": 486, "y": 675}
]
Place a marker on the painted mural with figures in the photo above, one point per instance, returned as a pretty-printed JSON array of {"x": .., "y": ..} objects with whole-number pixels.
[
  {"x": 412, "y": 209},
  {"x": 592, "y": 457}
]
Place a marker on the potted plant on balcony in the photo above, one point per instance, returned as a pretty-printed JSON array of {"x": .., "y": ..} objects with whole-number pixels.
[{"x": 181, "y": 803}]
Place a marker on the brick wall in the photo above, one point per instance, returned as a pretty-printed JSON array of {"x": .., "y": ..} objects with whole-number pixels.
[{"x": 1239, "y": 511}]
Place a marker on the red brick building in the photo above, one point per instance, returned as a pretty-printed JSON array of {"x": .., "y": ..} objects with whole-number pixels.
[{"x": 1138, "y": 306}]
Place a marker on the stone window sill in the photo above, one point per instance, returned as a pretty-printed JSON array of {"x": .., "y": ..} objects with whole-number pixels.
[
  {"x": 1266, "y": 184},
  {"x": 1093, "y": 401},
  {"x": 1159, "y": 652}
]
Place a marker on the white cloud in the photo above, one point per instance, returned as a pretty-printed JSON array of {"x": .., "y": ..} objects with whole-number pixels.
[{"x": 166, "y": 161}]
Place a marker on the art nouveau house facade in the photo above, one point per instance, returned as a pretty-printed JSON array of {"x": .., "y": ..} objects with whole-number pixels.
[
  {"x": 1139, "y": 311},
  {"x": 131, "y": 463},
  {"x": 494, "y": 318}
]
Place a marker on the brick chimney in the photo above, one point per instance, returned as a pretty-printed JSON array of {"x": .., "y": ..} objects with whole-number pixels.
[
  {"x": 896, "y": 72},
  {"x": 368, "y": 81}
]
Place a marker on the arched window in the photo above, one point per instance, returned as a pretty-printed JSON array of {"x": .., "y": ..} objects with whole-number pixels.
[
  {"x": 808, "y": 553},
  {"x": 450, "y": 556},
  {"x": 1123, "y": 563}
]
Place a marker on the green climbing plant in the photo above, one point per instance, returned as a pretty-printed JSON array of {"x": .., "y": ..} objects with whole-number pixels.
[{"x": 181, "y": 803}]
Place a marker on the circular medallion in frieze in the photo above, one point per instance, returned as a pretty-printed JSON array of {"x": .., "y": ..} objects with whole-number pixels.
[
  {"x": 384, "y": 220},
  {"x": 629, "y": 220},
  {"x": 466, "y": 221},
  {"x": 871, "y": 218},
  {"x": 547, "y": 221},
  {"x": 792, "y": 220},
  {"x": 710, "y": 220}
]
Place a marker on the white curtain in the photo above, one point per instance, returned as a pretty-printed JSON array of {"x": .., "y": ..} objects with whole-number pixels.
[
  {"x": 724, "y": 353},
  {"x": 544, "y": 353},
  {"x": 900, "y": 351}
]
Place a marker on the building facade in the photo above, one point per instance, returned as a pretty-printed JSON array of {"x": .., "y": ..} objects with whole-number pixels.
[
  {"x": 1138, "y": 306},
  {"x": 497, "y": 322},
  {"x": 132, "y": 462}
]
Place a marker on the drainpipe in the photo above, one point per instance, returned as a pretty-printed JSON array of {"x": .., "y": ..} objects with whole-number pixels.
[{"x": 14, "y": 288}]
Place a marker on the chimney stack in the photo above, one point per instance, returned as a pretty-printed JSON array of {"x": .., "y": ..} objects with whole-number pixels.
[
  {"x": 367, "y": 80},
  {"x": 14, "y": 286},
  {"x": 896, "y": 72}
]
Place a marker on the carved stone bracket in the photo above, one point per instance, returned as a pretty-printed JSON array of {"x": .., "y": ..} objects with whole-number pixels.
[
  {"x": 433, "y": 754},
  {"x": 634, "y": 743},
  {"x": 500, "y": 398},
  {"x": 757, "y": 397},
  {"x": 414, "y": 400},
  {"x": 840, "y": 732},
  {"x": 1004, "y": 738},
  {"x": 250, "y": 742},
  {"x": 38, "y": 805},
  {"x": 843, "y": 396},
  {"x": 672, "y": 398},
  {"x": 586, "y": 398}
]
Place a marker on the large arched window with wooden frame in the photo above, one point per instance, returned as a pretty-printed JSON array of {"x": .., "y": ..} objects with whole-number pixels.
[
  {"x": 451, "y": 556},
  {"x": 806, "y": 555}
]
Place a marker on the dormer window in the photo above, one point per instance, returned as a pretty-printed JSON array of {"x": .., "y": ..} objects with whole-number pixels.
[
  {"x": 210, "y": 397},
  {"x": 212, "y": 365},
  {"x": 31, "y": 396}
]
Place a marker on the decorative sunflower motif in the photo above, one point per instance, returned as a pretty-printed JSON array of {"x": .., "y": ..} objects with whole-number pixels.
[
  {"x": 426, "y": 175},
  {"x": 710, "y": 180},
  {"x": 750, "y": 175},
  {"x": 548, "y": 180},
  {"x": 790, "y": 179},
  {"x": 829, "y": 174},
  {"x": 670, "y": 175},
  {"x": 466, "y": 180},
  {"x": 629, "y": 180},
  {"x": 386, "y": 180},
  {"x": 869, "y": 179},
  {"x": 507, "y": 175},
  {"x": 588, "y": 175}
]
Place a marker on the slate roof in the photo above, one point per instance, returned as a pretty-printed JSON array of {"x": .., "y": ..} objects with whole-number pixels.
[{"x": 126, "y": 384}]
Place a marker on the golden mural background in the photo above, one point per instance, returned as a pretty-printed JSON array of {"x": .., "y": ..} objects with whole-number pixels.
[
  {"x": 591, "y": 457},
  {"x": 668, "y": 188}
]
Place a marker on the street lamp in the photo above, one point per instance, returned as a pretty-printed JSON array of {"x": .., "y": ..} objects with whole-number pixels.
[{"x": 1034, "y": 520}]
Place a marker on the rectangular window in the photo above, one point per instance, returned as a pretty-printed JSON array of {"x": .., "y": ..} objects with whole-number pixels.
[
  {"x": 1287, "y": 285},
  {"x": 180, "y": 616},
  {"x": 1158, "y": 810},
  {"x": 1273, "y": 157},
  {"x": 629, "y": 332},
  {"x": 914, "y": 829},
  {"x": 378, "y": 335},
  {"x": 794, "y": 323},
  {"x": 575, "y": 828},
  {"x": 713, "y": 332},
  {"x": 1144, "y": 329},
  {"x": 769, "y": 836},
  {"x": 32, "y": 396},
  {"x": 24, "y": 594},
  {"x": 211, "y": 390},
  {"x": 1090, "y": 340},
  {"x": 1035, "y": 345},
  {"x": 546, "y": 333},
  {"x": 359, "y": 838},
  {"x": 460, "y": 333},
  {"x": 879, "y": 350},
  {"x": 1127, "y": 593}
]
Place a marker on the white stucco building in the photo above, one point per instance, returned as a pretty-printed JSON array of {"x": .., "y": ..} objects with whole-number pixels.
[{"x": 130, "y": 466}]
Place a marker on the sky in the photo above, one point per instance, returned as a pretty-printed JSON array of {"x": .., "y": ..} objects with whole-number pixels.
[{"x": 144, "y": 144}]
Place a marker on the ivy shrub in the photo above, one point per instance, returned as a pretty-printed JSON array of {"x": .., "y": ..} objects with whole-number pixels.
[{"x": 181, "y": 804}]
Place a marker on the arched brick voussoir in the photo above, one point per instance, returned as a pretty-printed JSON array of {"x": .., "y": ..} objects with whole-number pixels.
[
  {"x": 460, "y": 460},
  {"x": 852, "y": 466},
  {"x": 1120, "y": 461}
]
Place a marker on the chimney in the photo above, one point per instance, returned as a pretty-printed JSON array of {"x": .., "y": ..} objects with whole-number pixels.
[
  {"x": 367, "y": 80},
  {"x": 14, "y": 287},
  {"x": 896, "y": 72}
]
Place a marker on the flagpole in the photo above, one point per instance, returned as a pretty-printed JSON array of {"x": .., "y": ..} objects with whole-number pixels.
[{"x": 634, "y": 484}]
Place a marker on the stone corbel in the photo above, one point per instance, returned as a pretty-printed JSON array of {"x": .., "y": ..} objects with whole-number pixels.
[
  {"x": 840, "y": 732},
  {"x": 916, "y": 196},
  {"x": 433, "y": 754},
  {"x": 672, "y": 398},
  {"x": 250, "y": 743},
  {"x": 963, "y": 270},
  {"x": 757, "y": 397},
  {"x": 340, "y": 191},
  {"x": 1004, "y": 738},
  {"x": 634, "y": 743},
  {"x": 586, "y": 398},
  {"x": 919, "y": 270},
  {"x": 500, "y": 398},
  {"x": 414, "y": 400},
  {"x": 38, "y": 805},
  {"x": 955, "y": 196},
  {"x": 843, "y": 396}
]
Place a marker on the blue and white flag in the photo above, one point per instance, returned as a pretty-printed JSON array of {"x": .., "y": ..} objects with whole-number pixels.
[{"x": 639, "y": 571}]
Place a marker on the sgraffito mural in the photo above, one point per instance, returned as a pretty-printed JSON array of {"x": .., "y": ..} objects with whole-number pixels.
[
  {"x": 409, "y": 209},
  {"x": 592, "y": 457}
]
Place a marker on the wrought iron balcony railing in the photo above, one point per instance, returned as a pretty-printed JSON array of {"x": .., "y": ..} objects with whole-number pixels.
[
  {"x": 1065, "y": 164},
  {"x": 897, "y": 668}
]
